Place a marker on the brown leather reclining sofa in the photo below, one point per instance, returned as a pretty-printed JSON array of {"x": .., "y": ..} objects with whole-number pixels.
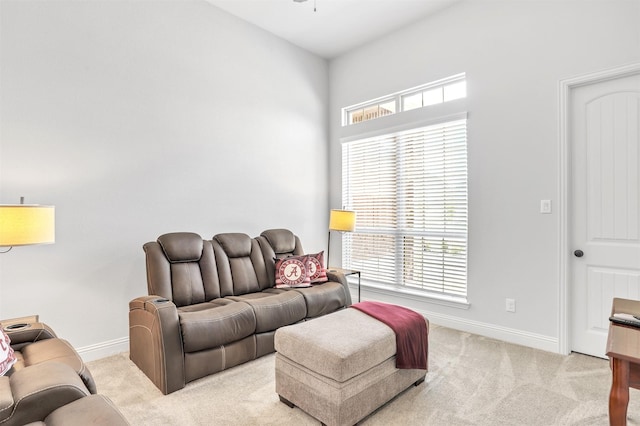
[{"x": 212, "y": 304}]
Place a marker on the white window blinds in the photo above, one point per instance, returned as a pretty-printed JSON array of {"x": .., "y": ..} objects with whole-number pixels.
[{"x": 409, "y": 190}]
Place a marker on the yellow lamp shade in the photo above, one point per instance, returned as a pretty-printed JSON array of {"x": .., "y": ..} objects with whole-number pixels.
[
  {"x": 342, "y": 220},
  {"x": 24, "y": 224}
]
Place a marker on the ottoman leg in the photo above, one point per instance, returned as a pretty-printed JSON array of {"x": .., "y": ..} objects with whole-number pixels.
[
  {"x": 418, "y": 382},
  {"x": 286, "y": 402}
]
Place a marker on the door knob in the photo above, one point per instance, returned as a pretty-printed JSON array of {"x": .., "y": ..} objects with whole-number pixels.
[{"x": 578, "y": 253}]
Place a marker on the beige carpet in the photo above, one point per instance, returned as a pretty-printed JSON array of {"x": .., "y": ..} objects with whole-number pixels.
[{"x": 472, "y": 380}]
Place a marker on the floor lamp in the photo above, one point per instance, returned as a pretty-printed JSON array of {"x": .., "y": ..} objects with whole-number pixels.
[
  {"x": 342, "y": 221},
  {"x": 21, "y": 225},
  {"x": 26, "y": 224}
]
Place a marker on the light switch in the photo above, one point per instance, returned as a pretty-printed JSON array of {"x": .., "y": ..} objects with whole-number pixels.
[{"x": 545, "y": 206}]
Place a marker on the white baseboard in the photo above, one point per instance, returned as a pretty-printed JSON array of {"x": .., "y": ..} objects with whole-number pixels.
[
  {"x": 510, "y": 335},
  {"x": 104, "y": 349},
  {"x": 506, "y": 334}
]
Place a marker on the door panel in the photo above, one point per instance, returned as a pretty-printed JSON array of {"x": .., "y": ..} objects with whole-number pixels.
[
  {"x": 604, "y": 284},
  {"x": 605, "y": 213}
]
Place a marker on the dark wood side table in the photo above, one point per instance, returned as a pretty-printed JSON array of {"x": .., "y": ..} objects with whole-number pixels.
[
  {"x": 623, "y": 350},
  {"x": 347, "y": 272}
]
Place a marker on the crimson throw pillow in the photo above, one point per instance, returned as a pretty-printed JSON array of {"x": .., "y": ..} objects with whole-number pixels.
[
  {"x": 292, "y": 272},
  {"x": 315, "y": 268},
  {"x": 7, "y": 357}
]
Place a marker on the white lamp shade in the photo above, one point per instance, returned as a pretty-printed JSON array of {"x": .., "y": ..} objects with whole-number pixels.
[
  {"x": 25, "y": 224},
  {"x": 342, "y": 220}
]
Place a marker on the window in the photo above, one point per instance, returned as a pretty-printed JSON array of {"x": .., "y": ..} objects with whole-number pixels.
[
  {"x": 409, "y": 190},
  {"x": 370, "y": 112},
  {"x": 436, "y": 92}
]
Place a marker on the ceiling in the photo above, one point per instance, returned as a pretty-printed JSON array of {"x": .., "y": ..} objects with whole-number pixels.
[{"x": 336, "y": 26}]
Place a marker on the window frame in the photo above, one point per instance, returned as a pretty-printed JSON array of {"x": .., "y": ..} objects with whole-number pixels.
[
  {"x": 398, "y": 99},
  {"x": 457, "y": 301}
]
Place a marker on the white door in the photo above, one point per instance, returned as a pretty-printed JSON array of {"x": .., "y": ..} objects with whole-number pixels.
[{"x": 604, "y": 213}]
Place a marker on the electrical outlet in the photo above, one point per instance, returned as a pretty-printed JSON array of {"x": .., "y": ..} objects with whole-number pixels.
[
  {"x": 510, "y": 305},
  {"x": 545, "y": 206}
]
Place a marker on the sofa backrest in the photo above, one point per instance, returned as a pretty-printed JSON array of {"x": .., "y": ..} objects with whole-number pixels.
[
  {"x": 184, "y": 268},
  {"x": 181, "y": 267},
  {"x": 276, "y": 244},
  {"x": 241, "y": 265}
]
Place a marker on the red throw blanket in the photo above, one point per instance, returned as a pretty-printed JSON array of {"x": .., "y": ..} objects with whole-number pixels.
[{"x": 412, "y": 334}]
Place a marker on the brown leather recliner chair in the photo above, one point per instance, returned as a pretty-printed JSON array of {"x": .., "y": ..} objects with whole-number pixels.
[
  {"x": 32, "y": 393},
  {"x": 52, "y": 393},
  {"x": 49, "y": 384},
  {"x": 35, "y": 342}
]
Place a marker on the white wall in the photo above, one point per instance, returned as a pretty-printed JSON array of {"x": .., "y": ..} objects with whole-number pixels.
[
  {"x": 514, "y": 53},
  {"x": 139, "y": 118}
]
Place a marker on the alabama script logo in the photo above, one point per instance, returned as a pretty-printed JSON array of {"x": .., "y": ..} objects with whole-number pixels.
[{"x": 292, "y": 272}]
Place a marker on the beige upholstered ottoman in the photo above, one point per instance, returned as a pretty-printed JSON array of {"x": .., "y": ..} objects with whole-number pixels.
[{"x": 339, "y": 368}]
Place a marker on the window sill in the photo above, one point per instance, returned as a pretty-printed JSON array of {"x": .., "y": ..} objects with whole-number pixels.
[{"x": 405, "y": 293}]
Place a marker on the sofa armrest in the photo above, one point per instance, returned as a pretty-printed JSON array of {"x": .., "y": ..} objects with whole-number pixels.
[
  {"x": 155, "y": 341},
  {"x": 25, "y": 330},
  {"x": 339, "y": 277},
  {"x": 31, "y": 394}
]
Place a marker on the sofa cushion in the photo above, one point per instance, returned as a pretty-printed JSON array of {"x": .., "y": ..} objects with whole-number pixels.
[
  {"x": 206, "y": 305},
  {"x": 32, "y": 393},
  {"x": 292, "y": 272},
  {"x": 323, "y": 299},
  {"x": 181, "y": 267},
  {"x": 91, "y": 410},
  {"x": 209, "y": 325},
  {"x": 235, "y": 244},
  {"x": 58, "y": 350},
  {"x": 285, "y": 244},
  {"x": 181, "y": 246},
  {"x": 240, "y": 264},
  {"x": 281, "y": 240},
  {"x": 274, "y": 310}
]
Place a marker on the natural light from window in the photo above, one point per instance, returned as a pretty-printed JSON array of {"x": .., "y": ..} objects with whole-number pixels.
[{"x": 434, "y": 93}]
